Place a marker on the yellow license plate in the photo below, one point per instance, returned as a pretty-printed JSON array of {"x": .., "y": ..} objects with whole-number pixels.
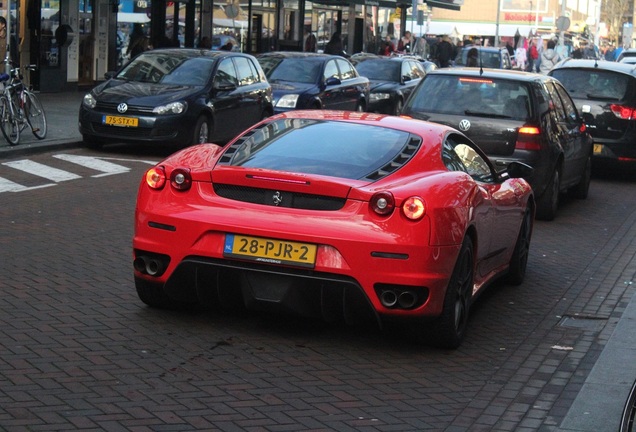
[
  {"x": 121, "y": 121},
  {"x": 269, "y": 250},
  {"x": 598, "y": 148}
]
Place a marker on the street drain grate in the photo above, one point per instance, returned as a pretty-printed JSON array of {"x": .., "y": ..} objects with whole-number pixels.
[{"x": 588, "y": 323}]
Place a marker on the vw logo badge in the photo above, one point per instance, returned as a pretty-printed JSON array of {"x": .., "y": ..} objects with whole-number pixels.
[
  {"x": 277, "y": 198},
  {"x": 122, "y": 108},
  {"x": 464, "y": 125}
]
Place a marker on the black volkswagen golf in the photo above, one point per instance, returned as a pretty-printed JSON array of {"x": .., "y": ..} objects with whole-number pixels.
[
  {"x": 513, "y": 116},
  {"x": 605, "y": 94},
  {"x": 177, "y": 96}
]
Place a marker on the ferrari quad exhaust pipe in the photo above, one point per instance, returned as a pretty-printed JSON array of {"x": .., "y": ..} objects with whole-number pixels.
[
  {"x": 388, "y": 299},
  {"x": 407, "y": 299},
  {"x": 152, "y": 266},
  {"x": 392, "y": 299}
]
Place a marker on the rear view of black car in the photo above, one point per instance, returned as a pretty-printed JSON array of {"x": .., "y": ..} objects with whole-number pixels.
[
  {"x": 513, "y": 116},
  {"x": 605, "y": 95}
]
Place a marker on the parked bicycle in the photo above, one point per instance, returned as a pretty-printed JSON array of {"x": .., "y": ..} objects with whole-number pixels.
[{"x": 20, "y": 107}]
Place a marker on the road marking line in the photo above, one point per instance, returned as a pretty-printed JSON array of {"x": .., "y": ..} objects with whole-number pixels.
[
  {"x": 9, "y": 186},
  {"x": 42, "y": 170},
  {"x": 97, "y": 164}
]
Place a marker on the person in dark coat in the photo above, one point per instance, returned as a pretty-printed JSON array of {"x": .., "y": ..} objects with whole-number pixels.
[
  {"x": 334, "y": 46},
  {"x": 445, "y": 52}
]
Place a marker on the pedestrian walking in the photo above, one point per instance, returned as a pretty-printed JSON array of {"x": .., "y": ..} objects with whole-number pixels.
[
  {"x": 549, "y": 58},
  {"x": 445, "y": 51}
]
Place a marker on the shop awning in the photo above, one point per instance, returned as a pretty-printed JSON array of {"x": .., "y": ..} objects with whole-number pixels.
[
  {"x": 445, "y": 4},
  {"x": 469, "y": 29},
  {"x": 391, "y": 4}
]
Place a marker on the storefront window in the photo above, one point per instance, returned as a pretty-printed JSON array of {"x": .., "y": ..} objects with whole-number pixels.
[{"x": 49, "y": 49}]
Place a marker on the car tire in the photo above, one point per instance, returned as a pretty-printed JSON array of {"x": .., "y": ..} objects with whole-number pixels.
[
  {"x": 548, "y": 202},
  {"x": 581, "y": 190},
  {"x": 201, "y": 131},
  {"x": 397, "y": 109},
  {"x": 449, "y": 330},
  {"x": 519, "y": 260}
]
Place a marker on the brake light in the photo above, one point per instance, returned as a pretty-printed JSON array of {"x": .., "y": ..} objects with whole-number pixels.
[
  {"x": 623, "y": 112},
  {"x": 528, "y": 138},
  {"x": 156, "y": 177},
  {"x": 414, "y": 208},
  {"x": 476, "y": 80},
  {"x": 382, "y": 203}
]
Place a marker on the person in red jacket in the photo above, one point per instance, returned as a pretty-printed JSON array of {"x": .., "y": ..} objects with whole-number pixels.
[{"x": 533, "y": 56}]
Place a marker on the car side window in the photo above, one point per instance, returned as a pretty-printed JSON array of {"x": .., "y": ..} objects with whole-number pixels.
[
  {"x": 559, "y": 111},
  {"x": 417, "y": 70},
  {"x": 406, "y": 70},
  {"x": 246, "y": 73},
  {"x": 331, "y": 70},
  {"x": 568, "y": 104},
  {"x": 225, "y": 74},
  {"x": 505, "y": 60},
  {"x": 459, "y": 156},
  {"x": 346, "y": 70}
]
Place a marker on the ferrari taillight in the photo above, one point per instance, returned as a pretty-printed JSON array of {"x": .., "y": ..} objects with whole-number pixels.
[
  {"x": 414, "y": 208},
  {"x": 623, "y": 112},
  {"x": 528, "y": 138},
  {"x": 382, "y": 203},
  {"x": 156, "y": 177},
  {"x": 181, "y": 179}
]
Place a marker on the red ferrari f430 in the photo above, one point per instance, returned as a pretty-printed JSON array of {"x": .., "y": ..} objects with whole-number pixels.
[{"x": 337, "y": 215}]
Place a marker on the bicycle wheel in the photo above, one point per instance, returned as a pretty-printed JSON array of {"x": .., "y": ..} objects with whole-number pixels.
[
  {"x": 9, "y": 124},
  {"x": 34, "y": 113}
]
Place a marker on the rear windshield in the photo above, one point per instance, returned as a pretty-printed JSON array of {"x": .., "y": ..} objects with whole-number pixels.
[
  {"x": 487, "y": 59},
  {"x": 383, "y": 70},
  {"x": 593, "y": 83},
  {"x": 329, "y": 148},
  {"x": 302, "y": 70},
  {"x": 168, "y": 68},
  {"x": 458, "y": 95}
]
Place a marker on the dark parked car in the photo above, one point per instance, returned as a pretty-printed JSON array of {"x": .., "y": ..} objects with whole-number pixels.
[
  {"x": 177, "y": 96},
  {"x": 392, "y": 80},
  {"x": 513, "y": 116},
  {"x": 488, "y": 57},
  {"x": 314, "y": 81},
  {"x": 605, "y": 94},
  {"x": 626, "y": 53}
]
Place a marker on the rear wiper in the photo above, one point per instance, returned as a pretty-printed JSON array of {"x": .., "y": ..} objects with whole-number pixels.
[
  {"x": 486, "y": 114},
  {"x": 600, "y": 97}
]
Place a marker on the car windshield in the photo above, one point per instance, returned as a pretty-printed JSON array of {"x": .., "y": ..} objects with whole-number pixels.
[
  {"x": 463, "y": 95},
  {"x": 487, "y": 59},
  {"x": 593, "y": 83},
  {"x": 168, "y": 68},
  {"x": 330, "y": 148},
  {"x": 303, "y": 70},
  {"x": 381, "y": 70}
]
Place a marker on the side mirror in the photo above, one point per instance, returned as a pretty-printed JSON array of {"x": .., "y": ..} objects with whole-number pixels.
[
  {"x": 110, "y": 74},
  {"x": 519, "y": 170},
  {"x": 405, "y": 78},
  {"x": 333, "y": 81}
]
